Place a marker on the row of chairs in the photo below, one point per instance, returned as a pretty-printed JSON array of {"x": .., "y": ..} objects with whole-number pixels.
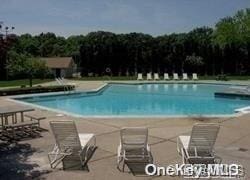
[
  {"x": 166, "y": 76},
  {"x": 198, "y": 148}
]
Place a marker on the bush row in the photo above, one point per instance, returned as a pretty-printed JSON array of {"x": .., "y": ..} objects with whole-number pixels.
[{"x": 36, "y": 89}]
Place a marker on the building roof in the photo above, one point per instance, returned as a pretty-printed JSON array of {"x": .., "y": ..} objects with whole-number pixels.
[{"x": 58, "y": 62}]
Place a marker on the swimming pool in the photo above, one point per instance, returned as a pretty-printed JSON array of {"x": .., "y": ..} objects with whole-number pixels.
[{"x": 144, "y": 100}]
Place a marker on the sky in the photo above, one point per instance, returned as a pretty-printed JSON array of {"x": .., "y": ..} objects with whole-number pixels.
[{"x": 155, "y": 17}]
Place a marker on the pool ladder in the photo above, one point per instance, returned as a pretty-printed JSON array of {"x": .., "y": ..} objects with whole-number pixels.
[{"x": 65, "y": 87}]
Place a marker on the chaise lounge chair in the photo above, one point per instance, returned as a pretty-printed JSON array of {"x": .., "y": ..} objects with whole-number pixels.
[
  {"x": 166, "y": 77},
  {"x": 149, "y": 76},
  {"x": 195, "y": 77},
  {"x": 199, "y": 147},
  {"x": 156, "y": 77},
  {"x": 175, "y": 76},
  {"x": 133, "y": 146},
  {"x": 70, "y": 144},
  {"x": 139, "y": 76},
  {"x": 184, "y": 76}
]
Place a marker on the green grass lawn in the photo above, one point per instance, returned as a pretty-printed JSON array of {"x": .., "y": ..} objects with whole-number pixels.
[{"x": 22, "y": 82}]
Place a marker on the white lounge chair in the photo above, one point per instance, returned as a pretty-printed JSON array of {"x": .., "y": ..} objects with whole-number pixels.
[
  {"x": 184, "y": 76},
  {"x": 69, "y": 143},
  {"x": 195, "y": 77},
  {"x": 139, "y": 76},
  {"x": 133, "y": 146},
  {"x": 149, "y": 76},
  {"x": 175, "y": 76},
  {"x": 156, "y": 77},
  {"x": 166, "y": 77},
  {"x": 199, "y": 146}
]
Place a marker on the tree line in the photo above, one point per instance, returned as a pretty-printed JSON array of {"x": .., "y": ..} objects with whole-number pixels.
[{"x": 224, "y": 49}]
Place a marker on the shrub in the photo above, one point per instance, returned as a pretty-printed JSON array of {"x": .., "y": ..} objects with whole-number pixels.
[
  {"x": 222, "y": 77},
  {"x": 36, "y": 89}
]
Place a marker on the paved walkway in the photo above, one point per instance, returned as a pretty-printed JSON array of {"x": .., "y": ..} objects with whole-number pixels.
[{"x": 233, "y": 145}]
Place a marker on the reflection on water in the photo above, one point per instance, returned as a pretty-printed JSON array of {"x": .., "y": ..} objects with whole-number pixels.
[
  {"x": 176, "y": 87},
  {"x": 139, "y": 87},
  {"x": 165, "y": 87},
  {"x": 194, "y": 87},
  {"x": 149, "y": 87},
  {"x": 156, "y": 87},
  {"x": 184, "y": 87}
]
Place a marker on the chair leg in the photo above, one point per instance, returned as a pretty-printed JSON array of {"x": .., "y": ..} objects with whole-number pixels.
[
  {"x": 56, "y": 160},
  {"x": 151, "y": 158},
  {"x": 13, "y": 133},
  {"x": 119, "y": 160},
  {"x": 183, "y": 156},
  {"x": 123, "y": 166}
]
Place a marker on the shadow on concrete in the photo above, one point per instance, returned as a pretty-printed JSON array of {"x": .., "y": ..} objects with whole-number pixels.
[
  {"x": 137, "y": 169},
  {"x": 72, "y": 162},
  {"x": 22, "y": 134},
  {"x": 14, "y": 165}
]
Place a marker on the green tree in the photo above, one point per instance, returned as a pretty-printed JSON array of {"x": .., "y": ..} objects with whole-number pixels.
[
  {"x": 232, "y": 34},
  {"x": 23, "y": 66},
  {"x": 224, "y": 49}
]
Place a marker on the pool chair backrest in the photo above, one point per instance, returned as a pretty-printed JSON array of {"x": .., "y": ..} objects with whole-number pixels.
[
  {"x": 66, "y": 135},
  {"x": 166, "y": 76},
  {"x": 134, "y": 137},
  {"x": 156, "y": 76},
  {"x": 195, "y": 76},
  {"x": 185, "y": 76},
  {"x": 175, "y": 76},
  {"x": 149, "y": 76},
  {"x": 139, "y": 76},
  {"x": 203, "y": 137}
]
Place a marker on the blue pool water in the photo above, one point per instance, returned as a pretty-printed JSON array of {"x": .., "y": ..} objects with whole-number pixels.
[{"x": 145, "y": 100}]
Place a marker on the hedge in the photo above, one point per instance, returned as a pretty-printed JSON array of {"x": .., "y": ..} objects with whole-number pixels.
[{"x": 36, "y": 89}]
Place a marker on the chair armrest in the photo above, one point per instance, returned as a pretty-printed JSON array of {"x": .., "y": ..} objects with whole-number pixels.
[{"x": 148, "y": 148}]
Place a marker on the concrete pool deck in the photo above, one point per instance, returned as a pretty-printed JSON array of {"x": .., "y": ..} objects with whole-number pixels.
[{"x": 30, "y": 156}]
